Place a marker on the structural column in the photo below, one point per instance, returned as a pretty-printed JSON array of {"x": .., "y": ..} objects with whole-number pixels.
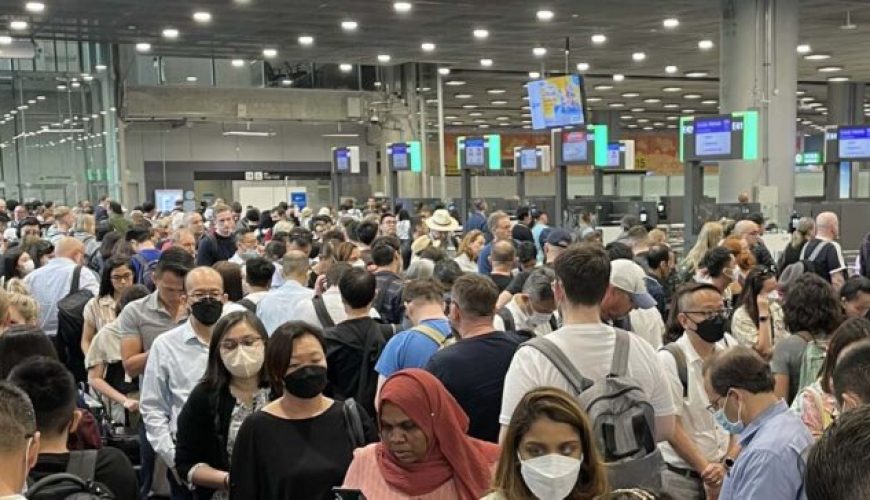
[
  {"x": 845, "y": 107},
  {"x": 758, "y": 70}
]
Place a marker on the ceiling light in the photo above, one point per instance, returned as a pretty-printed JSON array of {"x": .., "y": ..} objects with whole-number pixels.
[
  {"x": 598, "y": 38},
  {"x": 544, "y": 15},
  {"x": 709, "y": 102},
  {"x": 618, "y": 77},
  {"x": 626, "y": 117},
  {"x": 40, "y": 98},
  {"x": 475, "y": 114},
  {"x": 61, "y": 87},
  {"x": 75, "y": 84},
  {"x": 705, "y": 44},
  {"x": 534, "y": 75},
  {"x": 35, "y": 7},
  {"x": 427, "y": 46},
  {"x": 629, "y": 95},
  {"x": 502, "y": 118},
  {"x": 696, "y": 74},
  {"x": 455, "y": 83},
  {"x": 86, "y": 77},
  {"x": 247, "y": 133},
  {"x": 671, "y": 69},
  {"x": 539, "y": 51},
  {"x": 286, "y": 82},
  {"x": 617, "y": 104},
  {"x": 349, "y": 25},
  {"x": 202, "y": 17},
  {"x": 469, "y": 106},
  {"x": 444, "y": 71},
  {"x": 483, "y": 125},
  {"x": 450, "y": 117},
  {"x": 603, "y": 87},
  {"x": 643, "y": 120},
  {"x": 486, "y": 63},
  {"x": 463, "y": 96},
  {"x": 5, "y": 40},
  {"x": 238, "y": 63},
  {"x": 830, "y": 69},
  {"x": 457, "y": 123},
  {"x": 306, "y": 40},
  {"x": 480, "y": 34},
  {"x": 638, "y": 110},
  {"x": 582, "y": 66},
  {"x": 345, "y": 67},
  {"x": 495, "y": 91},
  {"x": 672, "y": 89},
  {"x": 402, "y": 6},
  {"x": 170, "y": 33},
  {"x": 18, "y": 25},
  {"x": 671, "y": 23},
  {"x": 143, "y": 47},
  {"x": 672, "y": 118},
  {"x": 638, "y": 56},
  {"x": 100, "y": 67},
  {"x": 804, "y": 49},
  {"x": 191, "y": 79},
  {"x": 593, "y": 99},
  {"x": 688, "y": 111},
  {"x": 652, "y": 100},
  {"x": 270, "y": 52},
  {"x": 836, "y": 79},
  {"x": 692, "y": 96},
  {"x": 817, "y": 57},
  {"x": 498, "y": 102},
  {"x": 671, "y": 105},
  {"x": 384, "y": 58}
]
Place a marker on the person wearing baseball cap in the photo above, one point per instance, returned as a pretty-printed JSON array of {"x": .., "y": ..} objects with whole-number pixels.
[{"x": 628, "y": 305}]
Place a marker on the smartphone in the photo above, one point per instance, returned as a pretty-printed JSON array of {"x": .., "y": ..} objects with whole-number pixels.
[{"x": 346, "y": 494}]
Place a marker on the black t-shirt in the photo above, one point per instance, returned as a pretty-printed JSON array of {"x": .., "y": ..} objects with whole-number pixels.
[
  {"x": 501, "y": 281},
  {"x": 215, "y": 248},
  {"x": 521, "y": 232},
  {"x": 473, "y": 371},
  {"x": 280, "y": 459},
  {"x": 113, "y": 470},
  {"x": 829, "y": 258}
]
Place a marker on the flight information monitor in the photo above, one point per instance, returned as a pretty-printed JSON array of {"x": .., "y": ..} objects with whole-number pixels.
[
  {"x": 479, "y": 153},
  {"x": 342, "y": 160},
  {"x": 713, "y": 137},
  {"x": 854, "y": 143},
  {"x": 404, "y": 156},
  {"x": 475, "y": 156},
  {"x": 613, "y": 154},
  {"x": 400, "y": 157},
  {"x": 724, "y": 137},
  {"x": 575, "y": 147},
  {"x": 557, "y": 102}
]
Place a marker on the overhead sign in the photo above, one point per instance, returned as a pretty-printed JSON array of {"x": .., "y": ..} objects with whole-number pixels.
[
  {"x": 405, "y": 156},
  {"x": 299, "y": 199},
  {"x": 723, "y": 137},
  {"x": 345, "y": 160},
  {"x": 479, "y": 153}
]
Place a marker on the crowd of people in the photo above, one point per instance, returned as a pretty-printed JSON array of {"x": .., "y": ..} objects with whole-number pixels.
[{"x": 394, "y": 352}]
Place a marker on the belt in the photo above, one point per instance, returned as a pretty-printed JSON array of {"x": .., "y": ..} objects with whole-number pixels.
[{"x": 687, "y": 473}]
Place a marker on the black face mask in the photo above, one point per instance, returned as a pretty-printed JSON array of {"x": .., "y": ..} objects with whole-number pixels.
[
  {"x": 207, "y": 311},
  {"x": 306, "y": 382},
  {"x": 712, "y": 330}
]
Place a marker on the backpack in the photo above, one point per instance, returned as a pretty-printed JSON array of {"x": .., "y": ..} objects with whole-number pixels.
[
  {"x": 623, "y": 420},
  {"x": 436, "y": 336},
  {"x": 248, "y": 304},
  {"x": 353, "y": 421},
  {"x": 804, "y": 265},
  {"x": 811, "y": 361},
  {"x": 77, "y": 483},
  {"x": 145, "y": 275},
  {"x": 70, "y": 322},
  {"x": 510, "y": 325},
  {"x": 322, "y": 313},
  {"x": 682, "y": 365},
  {"x": 95, "y": 261},
  {"x": 370, "y": 352}
]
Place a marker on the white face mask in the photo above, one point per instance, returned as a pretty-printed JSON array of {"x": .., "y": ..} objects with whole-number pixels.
[
  {"x": 551, "y": 477},
  {"x": 27, "y": 267},
  {"x": 244, "y": 361},
  {"x": 538, "y": 319}
]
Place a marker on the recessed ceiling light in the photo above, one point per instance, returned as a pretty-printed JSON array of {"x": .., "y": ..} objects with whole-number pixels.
[
  {"x": 5, "y": 40},
  {"x": 451, "y": 117},
  {"x": 170, "y": 33},
  {"x": 618, "y": 77},
  {"x": 638, "y": 110},
  {"x": 617, "y": 104},
  {"x": 688, "y": 111},
  {"x": 40, "y": 98},
  {"x": 100, "y": 67},
  {"x": 830, "y": 69},
  {"x": 475, "y": 114},
  {"x": 630, "y": 95},
  {"x": 238, "y": 63},
  {"x": 672, "y": 89},
  {"x": 483, "y": 125},
  {"x": 75, "y": 84},
  {"x": 671, "y": 105},
  {"x": 603, "y": 87},
  {"x": 582, "y": 66},
  {"x": 671, "y": 69},
  {"x": 191, "y": 79},
  {"x": 455, "y": 83},
  {"x": 692, "y": 96},
  {"x": 469, "y": 106},
  {"x": 498, "y": 102},
  {"x": 804, "y": 49},
  {"x": 671, "y": 23},
  {"x": 534, "y": 75},
  {"x": 626, "y": 117},
  {"x": 709, "y": 102},
  {"x": 502, "y": 118},
  {"x": 495, "y": 91},
  {"x": 638, "y": 56},
  {"x": 643, "y": 120},
  {"x": 706, "y": 44},
  {"x": 814, "y": 105},
  {"x": 349, "y": 25},
  {"x": 306, "y": 40},
  {"x": 402, "y": 6},
  {"x": 286, "y": 82},
  {"x": 696, "y": 74},
  {"x": 427, "y": 46},
  {"x": 202, "y": 16},
  {"x": 598, "y": 38},
  {"x": 672, "y": 118},
  {"x": 480, "y": 34},
  {"x": 486, "y": 63},
  {"x": 444, "y": 72},
  {"x": 838, "y": 79},
  {"x": 463, "y": 96},
  {"x": 457, "y": 123},
  {"x": 35, "y": 7},
  {"x": 384, "y": 58},
  {"x": 86, "y": 77},
  {"x": 61, "y": 87},
  {"x": 817, "y": 57},
  {"x": 270, "y": 52},
  {"x": 143, "y": 47},
  {"x": 18, "y": 25},
  {"x": 345, "y": 67},
  {"x": 631, "y": 125},
  {"x": 652, "y": 100},
  {"x": 544, "y": 15},
  {"x": 539, "y": 51},
  {"x": 593, "y": 99}
]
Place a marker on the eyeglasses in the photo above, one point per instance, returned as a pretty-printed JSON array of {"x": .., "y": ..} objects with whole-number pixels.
[
  {"x": 714, "y": 406},
  {"x": 231, "y": 345},
  {"x": 121, "y": 277},
  {"x": 709, "y": 314}
]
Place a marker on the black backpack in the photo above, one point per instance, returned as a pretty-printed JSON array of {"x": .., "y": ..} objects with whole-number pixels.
[
  {"x": 145, "y": 276},
  {"x": 77, "y": 483},
  {"x": 70, "y": 322},
  {"x": 805, "y": 265},
  {"x": 322, "y": 313}
]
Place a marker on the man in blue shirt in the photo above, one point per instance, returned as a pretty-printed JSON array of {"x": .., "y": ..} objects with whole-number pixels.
[
  {"x": 412, "y": 348},
  {"x": 770, "y": 466},
  {"x": 477, "y": 219},
  {"x": 499, "y": 224},
  {"x": 146, "y": 253}
]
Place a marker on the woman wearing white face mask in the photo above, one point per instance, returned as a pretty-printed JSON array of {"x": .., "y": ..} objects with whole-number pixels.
[
  {"x": 233, "y": 387},
  {"x": 548, "y": 452}
]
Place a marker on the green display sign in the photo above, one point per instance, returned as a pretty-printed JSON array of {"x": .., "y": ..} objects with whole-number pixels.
[{"x": 808, "y": 158}]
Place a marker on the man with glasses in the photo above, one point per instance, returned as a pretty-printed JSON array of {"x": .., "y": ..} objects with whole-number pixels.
[
  {"x": 177, "y": 363},
  {"x": 29, "y": 226},
  {"x": 388, "y": 224},
  {"x": 739, "y": 384},
  {"x": 222, "y": 244},
  {"x": 751, "y": 229},
  {"x": 695, "y": 453}
]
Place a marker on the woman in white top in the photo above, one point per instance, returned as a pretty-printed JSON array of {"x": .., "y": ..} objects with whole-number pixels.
[
  {"x": 100, "y": 311},
  {"x": 469, "y": 249},
  {"x": 758, "y": 322}
]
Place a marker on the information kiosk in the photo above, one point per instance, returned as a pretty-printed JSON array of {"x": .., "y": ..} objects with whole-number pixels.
[
  {"x": 844, "y": 145},
  {"x": 476, "y": 154},
  {"x": 581, "y": 146},
  {"x": 345, "y": 161},
  {"x": 402, "y": 157},
  {"x": 536, "y": 159}
]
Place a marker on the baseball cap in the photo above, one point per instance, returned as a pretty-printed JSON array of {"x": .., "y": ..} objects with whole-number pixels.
[
  {"x": 559, "y": 238},
  {"x": 629, "y": 277}
]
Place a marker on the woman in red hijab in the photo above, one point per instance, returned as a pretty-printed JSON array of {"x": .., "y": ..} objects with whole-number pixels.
[{"x": 424, "y": 451}]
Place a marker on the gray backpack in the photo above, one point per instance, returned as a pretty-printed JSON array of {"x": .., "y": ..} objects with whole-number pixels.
[{"x": 623, "y": 420}]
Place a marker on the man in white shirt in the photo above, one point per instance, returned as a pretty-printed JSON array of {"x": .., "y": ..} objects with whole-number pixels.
[
  {"x": 331, "y": 308},
  {"x": 626, "y": 294},
  {"x": 177, "y": 362},
  {"x": 246, "y": 246},
  {"x": 695, "y": 453},
  {"x": 279, "y": 305},
  {"x": 19, "y": 441},
  {"x": 533, "y": 309},
  {"x": 582, "y": 273}
]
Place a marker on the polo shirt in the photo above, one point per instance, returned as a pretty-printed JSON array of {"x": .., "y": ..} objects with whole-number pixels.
[
  {"x": 147, "y": 319},
  {"x": 410, "y": 348}
]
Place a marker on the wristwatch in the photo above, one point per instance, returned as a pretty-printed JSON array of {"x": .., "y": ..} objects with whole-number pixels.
[
  {"x": 728, "y": 462},
  {"x": 763, "y": 318}
]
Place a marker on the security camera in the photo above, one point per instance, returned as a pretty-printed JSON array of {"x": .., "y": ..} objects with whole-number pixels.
[{"x": 374, "y": 118}]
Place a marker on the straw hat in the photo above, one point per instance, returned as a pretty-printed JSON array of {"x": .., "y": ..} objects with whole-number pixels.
[
  {"x": 420, "y": 244},
  {"x": 442, "y": 221}
]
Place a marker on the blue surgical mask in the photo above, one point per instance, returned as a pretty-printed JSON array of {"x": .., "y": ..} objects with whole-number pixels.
[{"x": 729, "y": 427}]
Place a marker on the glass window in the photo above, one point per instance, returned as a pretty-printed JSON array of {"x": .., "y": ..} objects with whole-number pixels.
[{"x": 187, "y": 71}]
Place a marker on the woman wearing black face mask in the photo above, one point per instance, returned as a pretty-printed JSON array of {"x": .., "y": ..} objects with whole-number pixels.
[{"x": 300, "y": 445}]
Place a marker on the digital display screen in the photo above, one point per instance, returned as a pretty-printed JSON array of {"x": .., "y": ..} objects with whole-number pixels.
[
  {"x": 713, "y": 137},
  {"x": 613, "y": 150},
  {"x": 342, "y": 160},
  {"x": 475, "y": 152},
  {"x": 528, "y": 159},
  {"x": 575, "y": 148},
  {"x": 854, "y": 143},
  {"x": 399, "y": 153},
  {"x": 164, "y": 199},
  {"x": 556, "y": 102}
]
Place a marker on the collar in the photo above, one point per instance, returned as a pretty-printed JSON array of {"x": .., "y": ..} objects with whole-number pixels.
[
  {"x": 188, "y": 336},
  {"x": 106, "y": 300},
  {"x": 291, "y": 283},
  {"x": 824, "y": 238},
  {"x": 749, "y": 432},
  {"x": 689, "y": 349},
  {"x": 58, "y": 261}
]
